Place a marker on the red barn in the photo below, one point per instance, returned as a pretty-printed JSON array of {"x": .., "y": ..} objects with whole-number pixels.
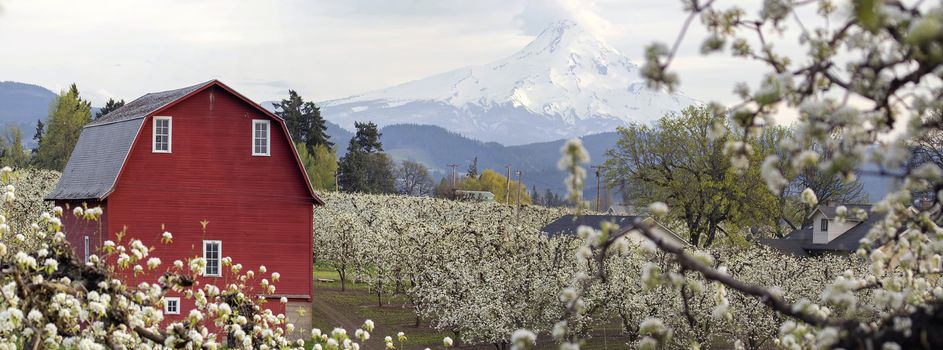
[{"x": 168, "y": 161}]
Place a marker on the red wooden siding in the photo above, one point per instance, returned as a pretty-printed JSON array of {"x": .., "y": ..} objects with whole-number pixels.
[
  {"x": 258, "y": 206},
  {"x": 77, "y": 228}
]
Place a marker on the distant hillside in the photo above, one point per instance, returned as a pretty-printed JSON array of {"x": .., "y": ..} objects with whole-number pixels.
[
  {"x": 437, "y": 148},
  {"x": 23, "y": 104}
]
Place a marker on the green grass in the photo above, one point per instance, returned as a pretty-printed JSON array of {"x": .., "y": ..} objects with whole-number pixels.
[
  {"x": 349, "y": 308},
  {"x": 356, "y": 304}
]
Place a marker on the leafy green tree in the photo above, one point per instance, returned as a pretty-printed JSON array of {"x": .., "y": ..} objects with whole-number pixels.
[
  {"x": 11, "y": 147},
  {"x": 321, "y": 166},
  {"x": 681, "y": 161},
  {"x": 304, "y": 121},
  {"x": 365, "y": 168},
  {"x": 110, "y": 106},
  {"x": 67, "y": 115}
]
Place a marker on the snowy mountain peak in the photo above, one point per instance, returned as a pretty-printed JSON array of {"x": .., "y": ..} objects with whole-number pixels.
[
  {"x": 562, "y": 36},
  {"x": 567, "y": 82}
]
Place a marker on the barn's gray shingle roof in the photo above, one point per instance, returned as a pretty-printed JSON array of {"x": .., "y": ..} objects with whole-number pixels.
[
  {"x": 104, "y": 144},
  {"x": 96, "y": 160},
  {"x": 144, "y": 105}
]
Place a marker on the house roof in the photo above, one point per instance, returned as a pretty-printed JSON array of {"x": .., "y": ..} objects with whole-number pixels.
[
  {"x": 800, "y": 235},
  {"x": 849, "y": 241},
  {"x": 831, "y": 211},
  {"x": 786, "y": 246},
  {"x": 567, "y": 225},
  {"x": 846, "y": 242},
  {"x": 104, "y": 145}
]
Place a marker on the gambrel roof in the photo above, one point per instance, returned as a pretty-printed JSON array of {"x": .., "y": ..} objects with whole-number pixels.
[
  {"x": 147, "y": 104},
  {"x": 104, "y": 145}
]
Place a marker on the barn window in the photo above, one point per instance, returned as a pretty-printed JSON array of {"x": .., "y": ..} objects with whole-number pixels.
[
  {"x": 260, "y": 137},
  {"x": 86, "y": 249},
  {"x": 172, "y": 305},
  {"x": 212, "y": 251},
  {"x": 162, "y": 130},
  {"x": 824, "y": 225}
]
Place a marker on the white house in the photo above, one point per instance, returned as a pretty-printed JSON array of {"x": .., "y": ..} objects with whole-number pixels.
[{"x": 829, "y": 232}]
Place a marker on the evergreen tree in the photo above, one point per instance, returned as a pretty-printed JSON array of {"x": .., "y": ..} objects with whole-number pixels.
[
  {"x": 367, "y": 139},
  {"x": 304, "y": 121},
  {"x": 67, "y": 115},
  {"x": 110, "y": 106},
  {"x": 38, "y": 136},
  {"x": 535, "y": 196},
  {"x": 551, "y": 199},
  {"x": 473, "y": 168},
  {"x": 365, "y": 168}
]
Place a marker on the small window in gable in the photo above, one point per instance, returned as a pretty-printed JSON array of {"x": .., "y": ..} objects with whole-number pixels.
[
  {"x": 162, "y": 135},
  {"x": 172, "y": 305},
  {"x": 261, "y": 139},
  {"x": 824, "y": 225}
]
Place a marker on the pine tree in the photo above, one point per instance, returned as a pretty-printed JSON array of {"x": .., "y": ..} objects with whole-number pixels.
[
  {"x": 365, "y": 168},
  {"x": 110, "y": 106},
  {"x": 304, "y": 121},
  {"x": 535, "y": 196},
  {"x": 67, "y": 115},
  {"x": 473, "y": 168},
  {"x": 367, "y": 139},
  {"x": 38, "y": 136}
]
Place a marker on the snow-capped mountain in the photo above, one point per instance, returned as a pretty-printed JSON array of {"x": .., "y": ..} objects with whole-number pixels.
[{"x": 565, "y": 83}]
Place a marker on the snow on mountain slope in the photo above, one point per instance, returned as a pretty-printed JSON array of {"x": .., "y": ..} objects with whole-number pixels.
[{"x": 565, "y": 83}]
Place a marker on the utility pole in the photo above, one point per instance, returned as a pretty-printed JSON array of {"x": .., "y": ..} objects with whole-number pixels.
[
  {"x": 596, "y": 167},
  {"x": 507, "y": 191},
  {"x": 453, "y": 166},
  {"x": 520, "y": 184}
]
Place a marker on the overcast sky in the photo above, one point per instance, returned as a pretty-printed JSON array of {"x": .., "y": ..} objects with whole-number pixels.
[{"x": 324, "y": 49}]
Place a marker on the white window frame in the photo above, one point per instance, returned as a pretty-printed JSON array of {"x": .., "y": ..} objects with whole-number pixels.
[
  {"x": 86, "y": 249},
  {"x": 170, "y": 135},
  {"x": 219, "y": 259},
  {"x": 268, "y": 137},
  {"x": 167, "y": 301}
]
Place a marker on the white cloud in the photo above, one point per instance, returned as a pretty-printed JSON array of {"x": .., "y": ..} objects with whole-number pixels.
[{"x": 537, "y": 14}]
